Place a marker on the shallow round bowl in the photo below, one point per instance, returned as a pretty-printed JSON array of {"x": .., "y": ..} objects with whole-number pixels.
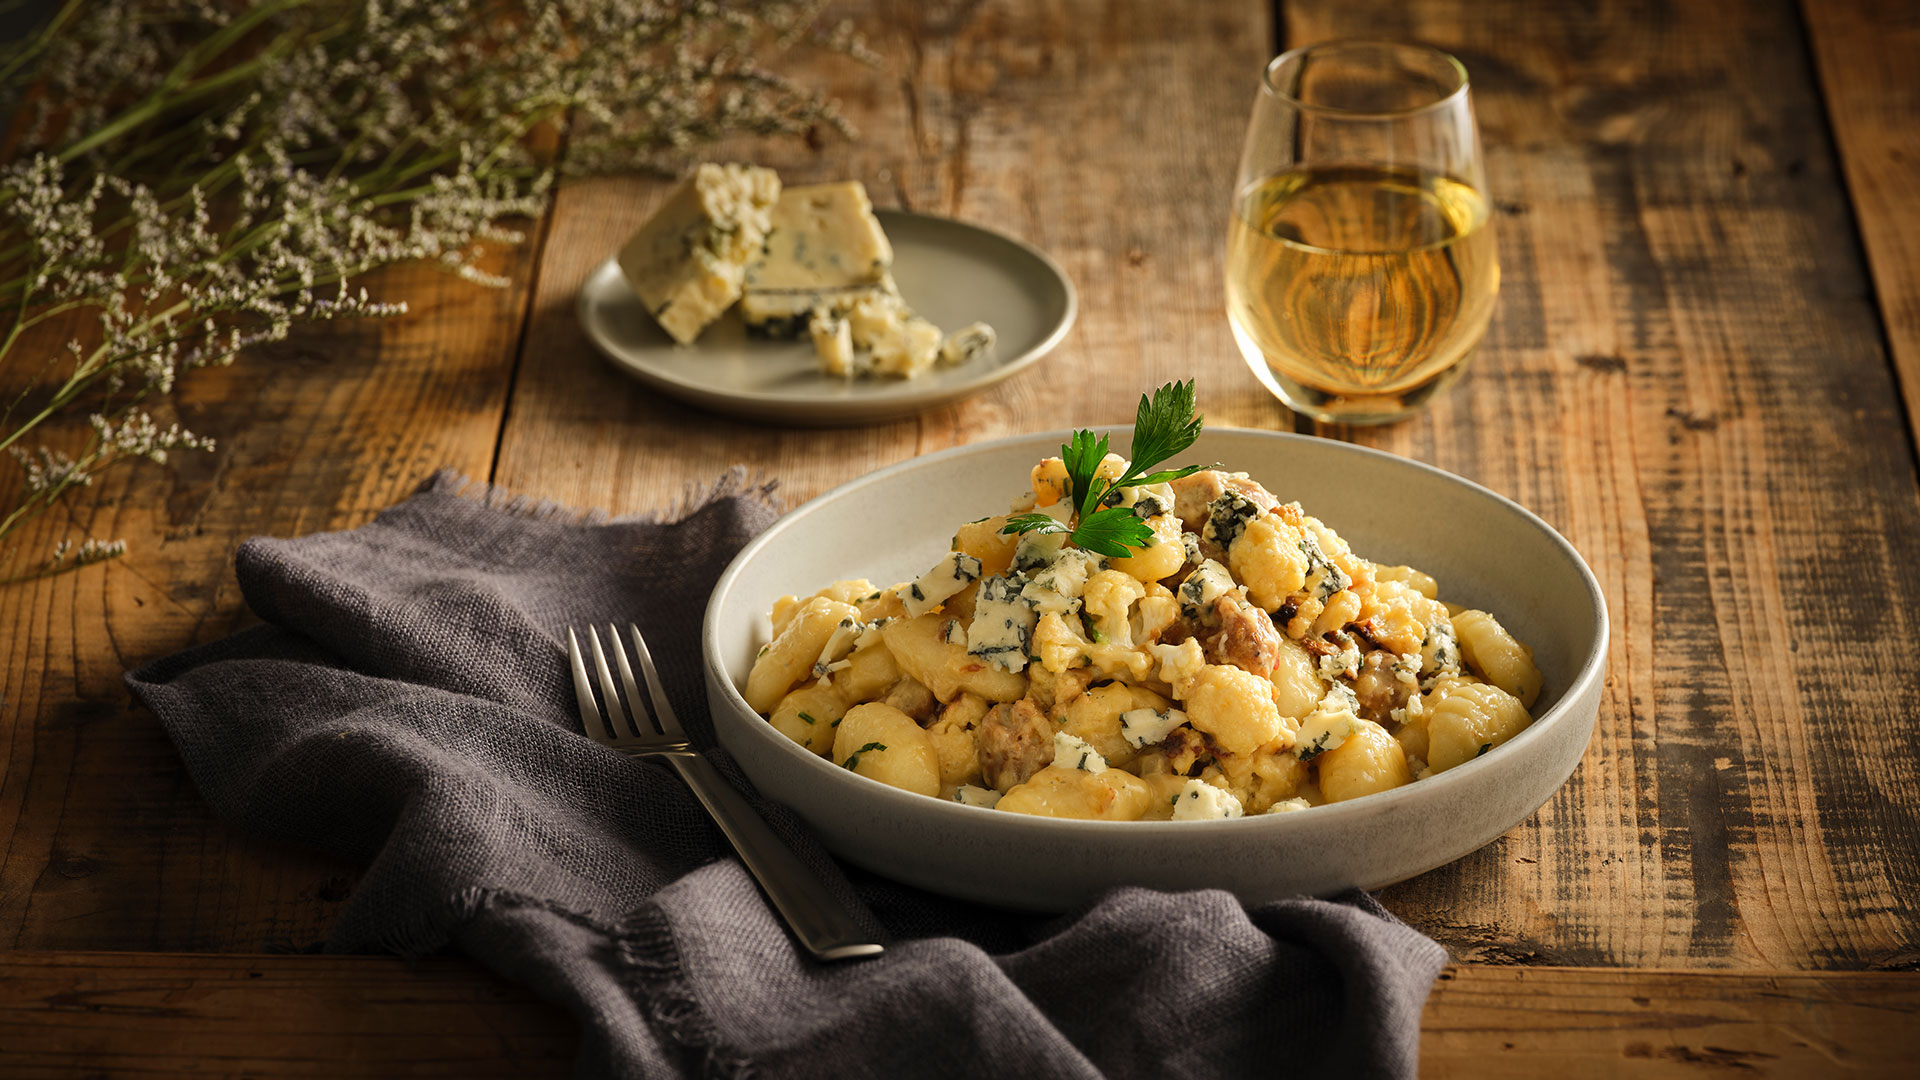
[{"x": 1485, "y": 550}]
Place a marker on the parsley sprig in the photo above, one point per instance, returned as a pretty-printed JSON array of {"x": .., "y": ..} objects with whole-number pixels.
[{"x": 1164, "y": 426}]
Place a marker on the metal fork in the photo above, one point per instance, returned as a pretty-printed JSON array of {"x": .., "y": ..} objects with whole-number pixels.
[{"x": 823, "y": 926}]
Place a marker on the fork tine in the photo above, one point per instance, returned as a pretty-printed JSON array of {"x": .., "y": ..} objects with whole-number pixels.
[
  {"x": 596, "y": 728},
  {"x": 626, "y": 680},
  {"x": 662, "y": 712},
  {"x": 616, "y": 713}
]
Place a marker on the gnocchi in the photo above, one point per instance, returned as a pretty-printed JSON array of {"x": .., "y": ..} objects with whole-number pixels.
[{"x": 1241, "y": 660}]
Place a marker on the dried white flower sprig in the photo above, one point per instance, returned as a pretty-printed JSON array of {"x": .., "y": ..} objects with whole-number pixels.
[{"x": 195, "y": 177}]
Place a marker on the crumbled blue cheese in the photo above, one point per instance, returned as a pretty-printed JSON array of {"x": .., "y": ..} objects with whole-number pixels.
[
  {"x": 1208, "y": 582},
  {"x": 1003, "y": 622},
  {"x": 973, "y": 795},
  {"x": 1344, "y": 664},
  {"x": 838, "y": 645},
  {"x": 1037, "y": 550},
  {"x": 954, "y": 572},
  {"x": 1190, "y": 543},
  {"x": 1145, "y": 500},
  {"x": 1056, "y": 587},
  {"x": 1147, "y": 727},
  {"x": 1329, "y": 724},
  {"x": 1072, "y": 752},
  {"x": 1439, "y": 653},
  {"x": 1323, "y": 577},
  {"x": 1419, "y": 767},
  {"x": 967, "y": 344},
  {"x": 1406, "y": 669},
  {"x": 870, "y": 633},
  {"x": 1201, "y": 801},
  {"x": 1227, "y": 518},
  {"x": 1288, "y": 806},
  {"x": 832, "y": 342},
  {"x": 954, "y": 633}
]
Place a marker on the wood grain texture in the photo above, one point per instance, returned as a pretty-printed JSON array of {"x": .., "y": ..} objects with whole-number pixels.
[
  {"x": 157, "y": 1014},
  {"x": 349, "y": 1016},
  {"x": 104, "y": 842},
  {"x": 1685, "y": 377},
  {"x": 1864, "y": 51},
  {"x": 1485, "y": 1023},
  {"x": 1105, "y": 134}
]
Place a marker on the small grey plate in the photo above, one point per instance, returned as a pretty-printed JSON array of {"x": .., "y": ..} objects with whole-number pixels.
[{"x": 950, "y": 272}]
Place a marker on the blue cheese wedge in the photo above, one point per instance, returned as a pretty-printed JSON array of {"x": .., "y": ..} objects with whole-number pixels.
[
  {"x": 1073, "y": 752},
  {"x": 688, "y": 263},
  {"x": 1149, "y": 727},
  {"x": 1003, "y": 621},
  {"x": 951, "y": 574},
  {"x": 967, "y": 344},
  {"x": 821, "y": 237},
  {"x": 1201, "y": 801}
]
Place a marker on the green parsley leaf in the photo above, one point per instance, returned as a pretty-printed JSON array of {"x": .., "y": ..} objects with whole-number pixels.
[
  {"x": 1026, "y": 523},
  {"x": 854, "y": 758},
  {"x": 1082, "y": 455},
  {"x": 1170, "y": 474},
  {"x": 1111, "y": 532},
  {"x": 1163, "y": 426}
]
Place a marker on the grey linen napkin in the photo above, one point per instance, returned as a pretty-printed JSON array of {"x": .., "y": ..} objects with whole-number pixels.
[{"x": 407, "y": 705}]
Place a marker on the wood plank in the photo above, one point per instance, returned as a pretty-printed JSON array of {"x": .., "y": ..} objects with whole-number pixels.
[
  {"x": 1864, "y": 52},
  {"x": 148, "y": 1014},
  {"x": 103, "y": 841},
  {"x": 1105, "y": 134},
  {"x": 1685, "y": 378},
  {"x": 1489, "y": 1023},
  {"x": 350, "y": 1016}
]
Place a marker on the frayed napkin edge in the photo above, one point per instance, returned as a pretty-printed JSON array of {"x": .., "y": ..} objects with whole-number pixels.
[{"x": 735, "y": 483}]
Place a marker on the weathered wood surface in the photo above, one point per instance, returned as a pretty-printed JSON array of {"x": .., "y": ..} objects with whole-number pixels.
[
  {"x": 1865, "y": 52},
  {"x": 349, "y": 1016},
  {"x": 1685, "y": 377},
  {"x": 176, "y": 1014},
  {"x": 103, "y": 841}
]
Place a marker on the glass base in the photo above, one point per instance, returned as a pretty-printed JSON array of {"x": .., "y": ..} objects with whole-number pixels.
[{"x": 1358, "y": 409}]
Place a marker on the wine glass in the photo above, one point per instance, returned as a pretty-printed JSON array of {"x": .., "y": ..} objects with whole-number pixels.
[{"x": 1361, "y": 269}]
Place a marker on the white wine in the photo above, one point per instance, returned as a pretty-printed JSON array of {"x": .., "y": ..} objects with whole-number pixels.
[{"x": 1360, "y": 288}]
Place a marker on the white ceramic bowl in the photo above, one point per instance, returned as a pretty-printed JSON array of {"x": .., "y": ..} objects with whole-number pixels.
[{"x": 890, "y": 526}]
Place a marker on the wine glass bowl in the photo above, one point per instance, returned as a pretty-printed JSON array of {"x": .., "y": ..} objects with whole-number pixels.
[{"x": 1361, "y": 263}]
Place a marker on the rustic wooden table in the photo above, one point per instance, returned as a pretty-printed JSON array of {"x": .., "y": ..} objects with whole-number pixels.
[{"x": 1704, "y": 371}]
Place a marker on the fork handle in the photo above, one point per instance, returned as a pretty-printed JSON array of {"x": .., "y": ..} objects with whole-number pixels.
[{"x": 819, "y": 920}]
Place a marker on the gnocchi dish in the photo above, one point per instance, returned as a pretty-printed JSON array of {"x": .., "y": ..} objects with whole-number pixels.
[{"x": 1237, "y": 658}]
